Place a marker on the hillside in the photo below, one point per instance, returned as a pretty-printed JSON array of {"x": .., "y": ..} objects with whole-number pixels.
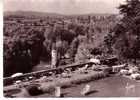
[{"x": 44, "y": 14}]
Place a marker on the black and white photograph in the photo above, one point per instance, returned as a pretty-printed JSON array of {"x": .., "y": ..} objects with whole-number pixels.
[{"x": 71, "y": 48}]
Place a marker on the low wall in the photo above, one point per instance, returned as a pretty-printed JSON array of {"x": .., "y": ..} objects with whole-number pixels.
[{"x": 10, "y": 80}]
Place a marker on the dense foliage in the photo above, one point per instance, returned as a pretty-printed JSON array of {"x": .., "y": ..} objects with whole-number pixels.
[
  {"x": 126, "y": 36},
  {"x": 22, "y": 51}
]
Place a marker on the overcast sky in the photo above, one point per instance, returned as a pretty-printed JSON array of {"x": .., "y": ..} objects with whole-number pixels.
[{"x": 64, "y": 6}]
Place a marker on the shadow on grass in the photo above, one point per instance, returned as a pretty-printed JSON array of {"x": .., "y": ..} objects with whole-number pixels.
[
  {"x": 91, "y": 92},
  {"x": 68, "y": 86},
  {"x": 64, "y": 94}
]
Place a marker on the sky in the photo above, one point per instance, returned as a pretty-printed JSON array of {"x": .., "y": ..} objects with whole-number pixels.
[{"x": 64, "y": 6}]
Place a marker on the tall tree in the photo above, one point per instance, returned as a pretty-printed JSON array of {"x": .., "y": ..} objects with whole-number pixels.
[{"x": 127, "y": 33}]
